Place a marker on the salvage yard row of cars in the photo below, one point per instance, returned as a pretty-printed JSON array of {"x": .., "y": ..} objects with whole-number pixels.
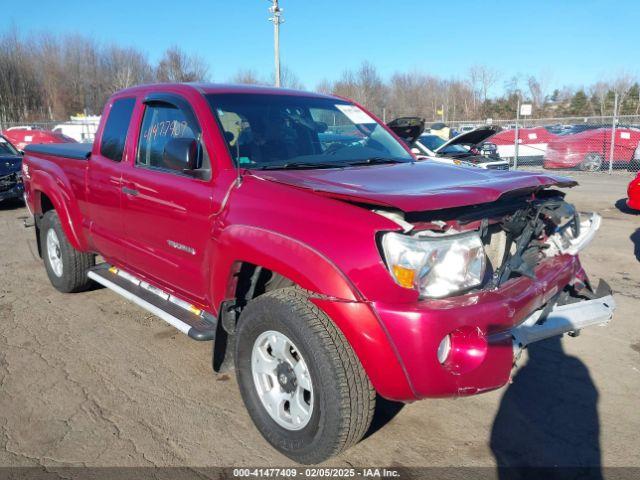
[{"x": 581, "y": 147}]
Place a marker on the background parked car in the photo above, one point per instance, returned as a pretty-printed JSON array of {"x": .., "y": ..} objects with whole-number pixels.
[
  {"x": 468, "y": 149},
  {"x": 570, "y": 129},
  {"x": 471, "y": 148},
  {"x": 532, "y": 145},
  {"x": 81, "y": 129},
  {"x": 10, "y": 167},
  {"x": 442, "y": 130},
  {"x": 21, "y": 137},
  {"x": 590, "y": 150}
]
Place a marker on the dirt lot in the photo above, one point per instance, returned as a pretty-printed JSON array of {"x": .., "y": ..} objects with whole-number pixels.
[{"x": 89, "y": 379}]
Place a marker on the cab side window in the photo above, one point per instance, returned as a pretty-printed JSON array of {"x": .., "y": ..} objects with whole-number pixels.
[
  {"x": 114, "y": 135},
  {"x": 161, "y": 124}
]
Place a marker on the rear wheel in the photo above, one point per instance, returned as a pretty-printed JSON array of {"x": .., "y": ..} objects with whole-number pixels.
[
  {"x": 66, "y": 267},
  {"x": 592, "y": 162},
  {"x": 301, "y": 382}
]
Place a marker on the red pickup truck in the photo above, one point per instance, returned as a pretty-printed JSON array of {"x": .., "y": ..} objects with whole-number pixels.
[{"x": 326, "y": 264}]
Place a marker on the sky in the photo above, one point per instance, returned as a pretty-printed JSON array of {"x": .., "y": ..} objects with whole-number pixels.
[{"x": 567, "y": 42}]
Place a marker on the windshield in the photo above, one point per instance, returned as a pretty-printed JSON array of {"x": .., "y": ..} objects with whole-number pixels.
[
  {"x": 433, "y": 142},
  {"x": 287, "y": 131},
  {"x": 6, "y": 148}
]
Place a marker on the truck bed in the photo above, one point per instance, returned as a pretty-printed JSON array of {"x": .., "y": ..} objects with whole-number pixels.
[{"x": 76, "y": 151}]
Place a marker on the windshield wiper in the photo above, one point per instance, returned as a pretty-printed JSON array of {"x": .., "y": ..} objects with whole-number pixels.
[
  {"x": 300, "y": 165},
  {"x": 377, "y": 161},
  {"x": 312, "y": 165}
]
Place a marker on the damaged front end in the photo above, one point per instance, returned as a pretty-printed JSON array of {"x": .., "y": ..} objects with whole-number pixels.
[{"x": 492, "y": 244}]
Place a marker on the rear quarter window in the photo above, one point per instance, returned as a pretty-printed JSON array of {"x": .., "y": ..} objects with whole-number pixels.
[{"x": 114, "y": 135}]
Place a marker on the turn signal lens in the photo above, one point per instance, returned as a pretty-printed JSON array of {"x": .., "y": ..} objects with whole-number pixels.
[{"x": 404, "y": 276}]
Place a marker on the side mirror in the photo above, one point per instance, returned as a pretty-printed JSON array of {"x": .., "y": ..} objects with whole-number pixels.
[
  {"x": 416, "y": 151},
  {"x": 181, "y": 154}
]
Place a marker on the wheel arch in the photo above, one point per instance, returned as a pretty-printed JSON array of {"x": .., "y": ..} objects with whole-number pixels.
[
  {"x": 300, "y": 263},
  {"x": 250, "y": 258},
  {"x": 247, "y": 276},
  {"x": 51, "y": 195}
]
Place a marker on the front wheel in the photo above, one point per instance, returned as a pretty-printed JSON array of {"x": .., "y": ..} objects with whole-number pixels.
[
  {"x": 592, "y": 162},
  {"x": 66, "y": 267},
  {"x": 300, "y": 380}
]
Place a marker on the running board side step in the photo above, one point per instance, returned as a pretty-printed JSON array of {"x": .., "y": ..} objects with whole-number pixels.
[{"x": 195, "y": 323}]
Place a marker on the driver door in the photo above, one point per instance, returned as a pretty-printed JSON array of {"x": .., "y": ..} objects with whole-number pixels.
[{"x": 166, "y": 211}]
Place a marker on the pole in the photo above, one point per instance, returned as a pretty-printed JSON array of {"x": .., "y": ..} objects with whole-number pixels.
[
  {"x": 276, "y": 19},
  {"x": 613, "y": 132},
  {"x": 515, "y": 141}
]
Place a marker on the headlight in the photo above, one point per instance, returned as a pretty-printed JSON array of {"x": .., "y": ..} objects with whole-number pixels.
[{"x": 436, "y": 266}]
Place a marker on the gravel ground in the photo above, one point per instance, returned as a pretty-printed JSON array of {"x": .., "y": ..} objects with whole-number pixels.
[{"x": 91, "y": 380}]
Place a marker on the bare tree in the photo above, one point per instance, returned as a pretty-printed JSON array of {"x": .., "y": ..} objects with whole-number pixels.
[
  {"x": 621, "y": 85},
  {"x": 365, "y": 86},
  {"x": 325, "y": 86},
  {"x": 126, "y": 67},
  {"x": 599, "y": 92},
  {"x": 482, "y": 79},
  {"x": 536, "y": 92},
  {"x": 288, "y": 79},
  {"x": 51, "y": 77},
  {"x": 177, "y": 66},
  {"x": 247, "y": 76}
]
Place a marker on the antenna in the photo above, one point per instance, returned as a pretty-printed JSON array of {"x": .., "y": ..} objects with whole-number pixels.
[{"x": 238, "y": 175}]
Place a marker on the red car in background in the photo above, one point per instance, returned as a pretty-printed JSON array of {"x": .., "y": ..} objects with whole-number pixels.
[
  {"x": 591, "y": 150},
  {"x": 633, "y": 193},
  {"x": 532, "y": 143},
  {"x": 21, "y": 137}
]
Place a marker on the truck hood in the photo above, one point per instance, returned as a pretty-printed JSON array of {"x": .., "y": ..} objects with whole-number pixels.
[
  {"x": 418, "y": 186},
  {"x": 473, "y": 137}
]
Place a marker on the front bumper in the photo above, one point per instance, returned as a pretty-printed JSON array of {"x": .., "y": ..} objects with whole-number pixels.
[
  {"x": 483, "y": 327},
  {"x": 562, "y": 319}
]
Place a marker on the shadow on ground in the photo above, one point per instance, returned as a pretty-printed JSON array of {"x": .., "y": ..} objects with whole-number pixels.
[
  {"x": 635, "y": 238},
  {"x": 11, "y": 204},
  {"x": 548, "y": 418},
  {"x": 624, "y": 208},
  {"x": 386, "y": 410}
]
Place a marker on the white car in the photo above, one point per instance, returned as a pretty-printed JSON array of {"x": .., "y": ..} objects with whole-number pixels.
[
  {"x": 470, "y": 148},
  {"x": 81, "y": 129}
]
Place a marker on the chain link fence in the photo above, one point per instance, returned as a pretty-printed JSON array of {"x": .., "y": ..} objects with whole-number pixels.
[{"x": 592, "y": 144}]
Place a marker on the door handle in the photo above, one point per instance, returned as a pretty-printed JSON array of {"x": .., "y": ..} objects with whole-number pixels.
[{"x": 129, "y": 191}]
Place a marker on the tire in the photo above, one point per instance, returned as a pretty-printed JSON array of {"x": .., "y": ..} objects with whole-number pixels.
[
  {"x": 340, "y": 401},
  {"x": 592, "y": 162},
  {"x": 66, "y": 267}
]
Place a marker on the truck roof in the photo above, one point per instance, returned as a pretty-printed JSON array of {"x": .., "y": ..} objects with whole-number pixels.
[{"x": 209, "y": 88}]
